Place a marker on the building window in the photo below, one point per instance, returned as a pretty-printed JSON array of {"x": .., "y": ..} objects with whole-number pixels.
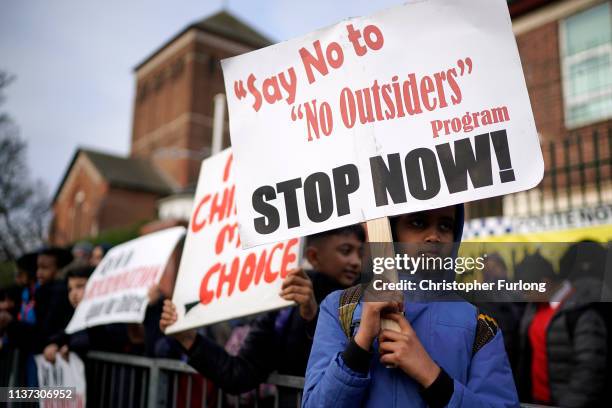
[{"x": 586, "y": 52}]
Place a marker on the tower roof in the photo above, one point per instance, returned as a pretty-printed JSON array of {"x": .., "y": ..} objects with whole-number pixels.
[
  {"x": 223, "y": 24},
  {"x": 229, "y": 26}
]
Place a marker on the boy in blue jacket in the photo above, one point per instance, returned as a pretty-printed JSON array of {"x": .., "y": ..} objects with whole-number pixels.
[{"x": 446, "y": 353}]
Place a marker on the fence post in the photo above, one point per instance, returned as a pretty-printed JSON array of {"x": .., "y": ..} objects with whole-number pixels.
[
  {"x": 14, "y": 374},
  {"x": 597, "y": 164},
  {"x": 153, "y": 385},
  {"x": 553, "y": 174}
]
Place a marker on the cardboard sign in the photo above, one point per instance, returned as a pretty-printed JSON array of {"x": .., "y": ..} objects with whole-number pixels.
[
  {"x": 63, "y": 373},
  {"x": 420, "y": 106},
  {"x": 117, "y": 291},
  {"x": 217, "y": 280}
]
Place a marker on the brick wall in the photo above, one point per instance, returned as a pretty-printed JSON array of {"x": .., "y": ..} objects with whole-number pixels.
[
  {"x": 87, "y": 205},
  {"x": 162, "y": 107},
  {"x": 173, "y": 110},
  {"x": 78, "y": 204},
  {"x": 122, "y": 208},
  {"x": 540, "y": 56},
  {"x": 539, "y": 49}
]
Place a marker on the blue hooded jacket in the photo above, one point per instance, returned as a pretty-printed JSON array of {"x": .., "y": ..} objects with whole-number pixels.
[{"x": 447, "y": 331}]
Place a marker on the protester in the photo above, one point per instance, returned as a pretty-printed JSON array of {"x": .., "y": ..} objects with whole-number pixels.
[
  {"x": 8, "y": 303},
  {"x": 445, "y": 352},
  {"x": 564, "y": 341},
  {"x": 81, "y": 254},
  {"x": 43, "y": 317},
  {"x": 51, "y": 310},
  {"x": 8, "y": 311},
  {"x": 76, "y": 279},
  {"x": 98, "y": 253},
  {"x": 81, "y": 251},
  {"x": 26, "y": 280},
  {"x": 280, "y": 340},
  {"x": 25, "y": 275},
  {"x": 584, "y": 260},
  {"x": 110, "y": 337}
]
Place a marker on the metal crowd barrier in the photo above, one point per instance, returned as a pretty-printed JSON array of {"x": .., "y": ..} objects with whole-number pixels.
[
  {"x": 122, "y": 380},
  {"x": 9, "y": 368},
  {"x": 13, "y": 374}
]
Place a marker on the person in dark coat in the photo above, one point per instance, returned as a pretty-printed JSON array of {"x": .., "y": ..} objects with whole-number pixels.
[
  {"x": 51, "y": 309},
  {"x": 563, "y": 348},
  {"x": 280, "y": 340}
]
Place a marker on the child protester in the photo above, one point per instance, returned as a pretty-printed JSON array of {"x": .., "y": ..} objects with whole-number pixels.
[
  {"x": 280, "y": 340},
  {"x": 76, "y": 278},
  {"x": 445, "y": 354},
  {"x": 108, "y": 337}
]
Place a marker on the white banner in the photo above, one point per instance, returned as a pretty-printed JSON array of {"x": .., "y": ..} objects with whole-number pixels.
[
  {"x": 420, "y": 106},
  {"x": 117, "y": 291},
  {"x": 217, "y": 280},
  {"x": 62, "y": 373}
]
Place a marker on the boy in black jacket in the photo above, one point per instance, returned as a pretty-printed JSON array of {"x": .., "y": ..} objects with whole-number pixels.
[{"x": 280, "y": 340}]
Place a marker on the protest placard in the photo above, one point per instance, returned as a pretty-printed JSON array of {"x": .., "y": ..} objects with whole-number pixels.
[
  {"x": 63, "y": 373},
  {"x": 217, "y": 279},
  {"x": 117, "y": 291},
  {"x": 420, "y": 106}
]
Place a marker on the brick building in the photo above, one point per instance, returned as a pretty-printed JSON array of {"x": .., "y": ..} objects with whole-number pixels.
[
  {"x": 172, "y": 133},
  {"x": 566, "y": 54},
  {"x": 175, "y": 87},
  {"x": 102, "y": 191}
]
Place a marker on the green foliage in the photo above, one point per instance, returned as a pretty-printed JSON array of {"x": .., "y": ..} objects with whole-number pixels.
[
  {"x": 117, "y": 236},
  {"x": 7, "y": 274}
]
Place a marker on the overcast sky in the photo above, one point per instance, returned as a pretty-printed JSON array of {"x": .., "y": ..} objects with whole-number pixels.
[{"x": 73, "y": 60}]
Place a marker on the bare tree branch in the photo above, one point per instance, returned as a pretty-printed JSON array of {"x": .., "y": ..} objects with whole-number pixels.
[{"x": 24, "y": 206}]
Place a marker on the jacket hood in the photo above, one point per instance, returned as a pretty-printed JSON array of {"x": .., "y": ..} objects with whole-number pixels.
[
  {"x": 444, "y": 275},
  {"x": 586, "y": 292}
]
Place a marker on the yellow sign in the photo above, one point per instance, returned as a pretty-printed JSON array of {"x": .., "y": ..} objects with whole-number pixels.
[{"x": 599, "y": 233}]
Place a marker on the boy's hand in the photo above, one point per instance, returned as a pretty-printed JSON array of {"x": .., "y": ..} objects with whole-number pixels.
[
  {"x": 50, "y": 352},
  {"x": 404, "y": 350},
  {"x": 168, "y": 318},
  {"x": 369, "y": 327},
  {"x": 297, "y": 286}
]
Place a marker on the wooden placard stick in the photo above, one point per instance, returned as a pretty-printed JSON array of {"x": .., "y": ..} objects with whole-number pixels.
[{"x": 379, "y": 230}]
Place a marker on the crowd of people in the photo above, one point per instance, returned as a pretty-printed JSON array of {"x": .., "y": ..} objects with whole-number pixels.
[{"x": 490, "y": 352}]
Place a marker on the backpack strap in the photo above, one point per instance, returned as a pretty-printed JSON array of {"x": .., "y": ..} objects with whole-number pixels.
[
  {"x": 486, "y": 326},
  {"x": 349, "y": 299},
  {"x": 486, "y": 329}
]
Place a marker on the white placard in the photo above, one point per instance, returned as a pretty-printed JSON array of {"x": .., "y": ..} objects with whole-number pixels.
[
  {"x": 217, "y": 280},
  {"x": 420, "y": 106},
  {"x": 62, "y": 373},
  {"x": 117, "y": 291}
]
